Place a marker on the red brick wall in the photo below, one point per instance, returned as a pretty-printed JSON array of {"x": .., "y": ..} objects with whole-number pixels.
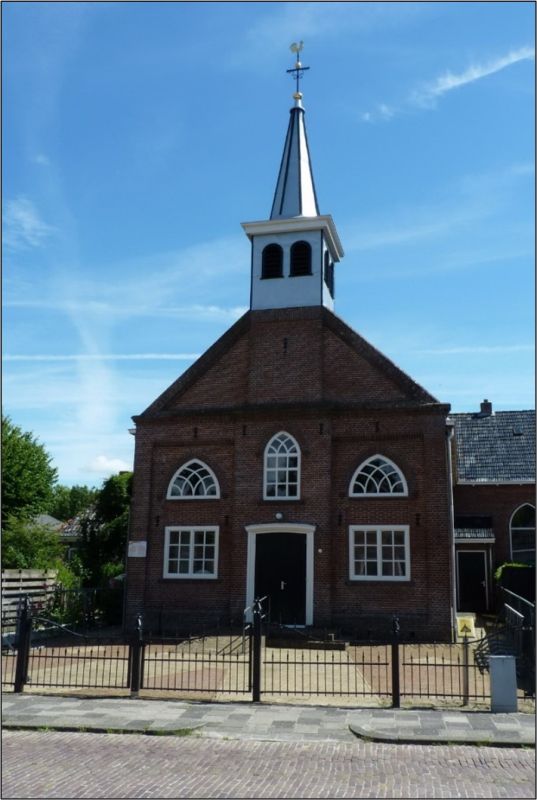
[
  {"x": 288, "y": 359},
  {"x": 498, "y": 501}
]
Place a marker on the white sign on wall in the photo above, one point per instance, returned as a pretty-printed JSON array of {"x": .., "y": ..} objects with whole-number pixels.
[{"x": 137, "y": 549}]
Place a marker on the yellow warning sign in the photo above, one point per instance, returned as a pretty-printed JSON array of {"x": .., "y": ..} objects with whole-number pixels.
[{"x": 465, "y": 627}]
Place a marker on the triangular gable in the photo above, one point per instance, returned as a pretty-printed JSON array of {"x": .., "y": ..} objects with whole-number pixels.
[
  {"x": 355, "y": 370},
  {"x": 196, "y": 376}
]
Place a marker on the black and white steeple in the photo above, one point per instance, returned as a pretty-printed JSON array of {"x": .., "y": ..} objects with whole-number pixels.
[{"x": 293, "y": 252}]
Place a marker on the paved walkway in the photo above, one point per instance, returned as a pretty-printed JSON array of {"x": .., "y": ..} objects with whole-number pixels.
[{"x": 286, "y": 723}]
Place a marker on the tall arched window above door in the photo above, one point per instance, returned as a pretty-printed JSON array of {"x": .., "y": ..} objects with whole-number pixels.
[
  {"x": 193, "y": 481},
  {"x": 272, "y": 261},
  {"x": 522, "y": 529},
  {"x": 300, "y": 259},
  {"x": 281, "y": 478},
  {"x": 378, "y": 476}
]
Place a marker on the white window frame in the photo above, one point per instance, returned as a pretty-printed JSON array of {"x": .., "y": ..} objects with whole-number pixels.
[
  {"x": 519, "y": 528},
  {"x": 170, "y": 496},
  {"x": 379, "y": 530},
  {"x": 278, "y": 498},
  {"x": 404, "y": 493},
  {"x": 190, "y": 575}
]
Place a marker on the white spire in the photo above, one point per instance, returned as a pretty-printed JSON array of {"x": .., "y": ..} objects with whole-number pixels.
[{"x": 295, "y": 191}]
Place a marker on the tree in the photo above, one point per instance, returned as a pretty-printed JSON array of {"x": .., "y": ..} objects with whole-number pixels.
[
  {"x": 27, "y": 474},
  {"x": 104, "y": 530},
  {"x": 27, "y": 545},
  {"x": 69, "y": 501}
]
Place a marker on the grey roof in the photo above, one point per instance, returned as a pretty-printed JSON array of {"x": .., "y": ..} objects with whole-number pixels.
[
  {"x": 48, "y": 522},
  {"x": 474, "y": 533},
  {"x": 494, "y": 448}
]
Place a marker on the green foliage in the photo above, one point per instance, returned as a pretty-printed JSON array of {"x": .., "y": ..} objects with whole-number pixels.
[
  {"x": 499, "y": 572},
  {"x": 104, "y": 531},
  {"x": 69, "y": 501},
  {"x": 114, "y": 498},
  {"x": 27, "y": 474},
  {"x": 26, "y": 545}
]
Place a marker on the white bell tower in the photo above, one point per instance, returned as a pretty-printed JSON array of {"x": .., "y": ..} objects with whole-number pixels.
[{"x": 294, "y": 252}]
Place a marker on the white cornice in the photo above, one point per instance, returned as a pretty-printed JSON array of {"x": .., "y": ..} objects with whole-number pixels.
[{"x": 322, "y": 222}]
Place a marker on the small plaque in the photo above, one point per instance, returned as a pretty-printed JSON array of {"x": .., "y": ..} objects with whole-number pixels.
[
  {"x": 466, "y": 627},
  {"x": 137, "y": 549}
]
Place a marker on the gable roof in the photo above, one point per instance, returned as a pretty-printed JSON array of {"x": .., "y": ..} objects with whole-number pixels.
[
  {"x": 494, "y": 448},
  {"x": 222, "y": 378}
]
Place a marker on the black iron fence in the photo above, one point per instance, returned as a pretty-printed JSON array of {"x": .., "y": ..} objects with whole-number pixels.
[{"x": 249, "y": 660}]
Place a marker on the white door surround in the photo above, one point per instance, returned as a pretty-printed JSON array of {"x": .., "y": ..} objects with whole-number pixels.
[{"x": 279, "y": 527}]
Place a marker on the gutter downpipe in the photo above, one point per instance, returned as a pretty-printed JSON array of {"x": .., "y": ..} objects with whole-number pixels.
[{"x": 450, "y": 430}]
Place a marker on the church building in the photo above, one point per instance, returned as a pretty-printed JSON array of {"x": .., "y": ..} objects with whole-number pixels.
[{"x": 293, "y": 460}]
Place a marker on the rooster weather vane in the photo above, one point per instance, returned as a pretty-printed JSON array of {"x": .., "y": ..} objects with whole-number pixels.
[{"x": 297, "y": 72}]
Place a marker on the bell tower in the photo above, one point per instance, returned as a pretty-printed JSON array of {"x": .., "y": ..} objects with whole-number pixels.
[{"x": 294, "y": 252}]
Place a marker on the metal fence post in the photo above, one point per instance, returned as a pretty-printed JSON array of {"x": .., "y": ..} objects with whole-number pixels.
[
  {"x": 256, "y": 651},
  {"x": 396, "y": 693},
  {"x": 136, "y": 658},
  {"x": 465, "y": 671},
  {"x": 24, "y": 635}
]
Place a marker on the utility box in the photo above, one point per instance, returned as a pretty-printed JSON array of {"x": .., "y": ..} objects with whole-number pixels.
[{"x": 503, "y": 684}]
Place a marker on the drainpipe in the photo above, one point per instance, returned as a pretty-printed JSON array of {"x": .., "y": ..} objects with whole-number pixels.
[{"x": 450, "y": 430}]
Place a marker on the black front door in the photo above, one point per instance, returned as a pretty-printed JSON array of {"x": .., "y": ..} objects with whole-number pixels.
[
  {"x": 280, "y": 574},
  {"x": 472, "y": 580}
]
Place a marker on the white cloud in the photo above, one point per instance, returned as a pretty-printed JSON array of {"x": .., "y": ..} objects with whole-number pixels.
[
  {"x": 105, "y": 357},
  {"x": 476, "y": 350},
  {"x": 104, "y": 465},
  {"x": 42, "y": 160},
  {"x": 426, "y": 96},
  {"x": 449, "y": 81},
  {"x": 23, "y": 226}
]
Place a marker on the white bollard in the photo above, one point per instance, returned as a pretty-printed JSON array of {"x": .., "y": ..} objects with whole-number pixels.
[{"x": 503, "y": 684}]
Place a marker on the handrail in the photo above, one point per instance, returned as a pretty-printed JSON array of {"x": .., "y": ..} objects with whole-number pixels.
[{"x": 519, "y": 597}]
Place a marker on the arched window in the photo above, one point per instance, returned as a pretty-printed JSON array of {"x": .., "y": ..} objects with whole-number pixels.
[
  {"x": 272, "y": 261},
  {"x": 378, "y": 476},
  {"x": 523, "y": 534},
  {"x": 300, "y": 259},
  {"x": 282, "y": 468},
  {"x": 192, "y": 481}
]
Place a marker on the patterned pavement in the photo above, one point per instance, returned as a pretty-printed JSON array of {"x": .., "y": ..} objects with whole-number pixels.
[
  {"x": 50, "y": 764},
  {"x": 300, "y": 723}
]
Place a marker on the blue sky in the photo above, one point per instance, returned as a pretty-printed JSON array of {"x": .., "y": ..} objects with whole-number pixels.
[{"x": 138, "y": 136}]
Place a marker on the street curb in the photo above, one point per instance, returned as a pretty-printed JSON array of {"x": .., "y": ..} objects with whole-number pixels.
[
  {"x": 177, "y": 732},
  {"x": 375, "y": 736}
]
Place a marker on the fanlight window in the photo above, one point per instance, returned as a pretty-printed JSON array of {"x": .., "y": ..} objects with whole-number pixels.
[
  {"x": 282, "y": 468},
  {"x": 272, "y": 261},
  {"x": 193, "y": 481},
  {"x": 378, "y": 476},
  {"x": 300, "y": 259},
  {"x": 523, "y": 535}
]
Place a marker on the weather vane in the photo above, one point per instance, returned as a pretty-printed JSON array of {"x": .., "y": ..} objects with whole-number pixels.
[{"x": 298, "y": 70}]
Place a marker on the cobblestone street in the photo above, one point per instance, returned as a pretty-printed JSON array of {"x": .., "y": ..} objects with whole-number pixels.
[{"x": 48, "y": 764}]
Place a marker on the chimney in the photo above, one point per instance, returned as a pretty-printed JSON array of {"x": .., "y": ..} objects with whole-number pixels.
[{"x": 486, "y": 408}]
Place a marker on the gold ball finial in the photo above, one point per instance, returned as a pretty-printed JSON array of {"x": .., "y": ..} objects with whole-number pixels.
[{"x": 297, "y": 96}]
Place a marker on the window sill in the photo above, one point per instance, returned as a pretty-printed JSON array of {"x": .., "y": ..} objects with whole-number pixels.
[
  {"x": 380, "y": 581},
  {"x": 190, "y": 579},
  {"x": 273, "y": 500}
]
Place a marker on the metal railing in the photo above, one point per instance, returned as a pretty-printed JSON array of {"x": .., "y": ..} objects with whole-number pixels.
[{"x": 249, "y": 660}]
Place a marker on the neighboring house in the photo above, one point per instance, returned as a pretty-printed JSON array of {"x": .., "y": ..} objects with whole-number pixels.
[
  {"x": 46, "y": 521},
  {"x": 293, "y": 460},
  {"x": 494, "y": 498},
  {"x": 69, "y": 532}
]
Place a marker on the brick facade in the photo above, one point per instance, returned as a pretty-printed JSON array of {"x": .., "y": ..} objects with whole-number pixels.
[{"x": 303, "y": 371}]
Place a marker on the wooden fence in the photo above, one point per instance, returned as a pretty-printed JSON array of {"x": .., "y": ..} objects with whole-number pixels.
[{"x": 38, "y": 584}]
